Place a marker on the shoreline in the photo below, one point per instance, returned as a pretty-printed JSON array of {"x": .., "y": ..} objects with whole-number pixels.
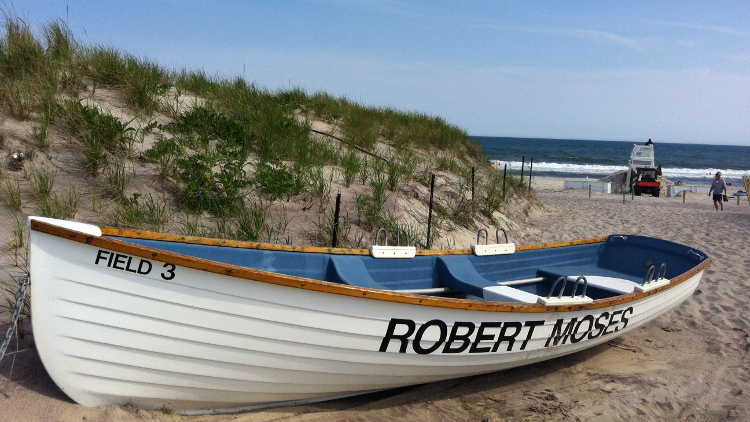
[{"x": 557, "y": 184}]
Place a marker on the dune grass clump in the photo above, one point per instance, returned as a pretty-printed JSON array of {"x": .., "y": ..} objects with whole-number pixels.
[
  {"x": 22, "y": 54},
  {"x": 204, "y": 189},
  {"x": 64, "y": 51},
  {"x": 251, "y": 222},
  {"x": 62, "y": 206},
  {"x": 209, "y": 150},
  {"x": 361, "y": 127},
  {"x": 98, "y": 133},
  {"x": 30, "y": 75},
  {"x": 352, "y": 165},
  {"x": 212, "y": 146},
  {"x": 12, "y": 195},
  {"x": 105, "y": 66},
  {"x": 325, "y": 107},
  {"x": 276, "y": 181},
  {"x": 42, "y": 182},
  {"x": 143, "y": 83},
  {"x": 195, "y": 81},
  {"x": 199, "y": 126},
  {"x": 116, "y": 180}
]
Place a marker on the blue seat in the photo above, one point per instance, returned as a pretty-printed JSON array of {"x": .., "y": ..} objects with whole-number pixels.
[
  {"x": 458, "y": 273},
  {"x": 351, "y": 270}
]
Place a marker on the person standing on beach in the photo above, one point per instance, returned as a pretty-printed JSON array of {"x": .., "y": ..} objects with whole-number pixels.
[{"x": 719, "y": 188}]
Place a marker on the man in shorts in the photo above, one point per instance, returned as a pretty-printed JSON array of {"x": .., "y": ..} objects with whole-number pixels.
[{"x": 719, "y": 189}]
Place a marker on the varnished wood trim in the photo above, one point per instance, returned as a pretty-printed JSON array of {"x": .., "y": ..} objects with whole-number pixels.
[
  {"x": 140, "y": 234},
  {"x": 328, "y": 287}
]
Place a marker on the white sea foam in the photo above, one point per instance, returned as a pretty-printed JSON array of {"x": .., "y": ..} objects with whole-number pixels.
[{"x": 595, "y": 170}]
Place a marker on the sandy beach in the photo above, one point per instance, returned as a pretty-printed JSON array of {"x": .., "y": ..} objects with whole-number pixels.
[{"x": 690, "y": 364}]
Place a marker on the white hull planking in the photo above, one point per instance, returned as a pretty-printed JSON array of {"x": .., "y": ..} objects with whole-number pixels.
[{"x": 203, "y": 342}]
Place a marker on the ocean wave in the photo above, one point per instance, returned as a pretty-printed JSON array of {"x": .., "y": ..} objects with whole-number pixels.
[{"x": 596, "y": 170}]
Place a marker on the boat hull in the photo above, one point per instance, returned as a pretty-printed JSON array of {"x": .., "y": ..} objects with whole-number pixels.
[{"x": 114, "y": 328}]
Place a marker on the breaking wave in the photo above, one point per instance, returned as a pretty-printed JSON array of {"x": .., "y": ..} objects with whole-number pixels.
[{"x": 599, "y": 171}]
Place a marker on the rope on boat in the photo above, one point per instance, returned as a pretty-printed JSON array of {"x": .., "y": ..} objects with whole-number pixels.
[{"x": 20, "y": 297}]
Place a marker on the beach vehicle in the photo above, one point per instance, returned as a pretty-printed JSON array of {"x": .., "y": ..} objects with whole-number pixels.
[
  {"x": 197, "y": 325},
  {"x": 643, "y": 176},
  {"x": 646, "y": 182}
]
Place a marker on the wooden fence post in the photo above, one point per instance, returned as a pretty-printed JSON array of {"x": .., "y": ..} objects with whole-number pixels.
[
  {"x": 429, "y": 215},
  {"x": 335, "y": 241},
  {"x": 473, "y": 206},
  {"x": 531, "y": 168},
  {"x": 505, "y": 173}
]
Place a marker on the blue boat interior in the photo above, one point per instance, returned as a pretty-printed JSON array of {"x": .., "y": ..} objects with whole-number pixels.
[{"x": 613, "y": 267}]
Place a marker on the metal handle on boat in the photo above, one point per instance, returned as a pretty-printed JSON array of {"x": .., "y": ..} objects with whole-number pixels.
[
  {"x": 662, "y": 271},
  {"x": 624, "y": 238},
  {"x": 700, "y": 257},
  {"x": 486, "y": 236},
  {"x": 497, "y": 234},
  {"x": 649, "y": 275},
  {"x": 585, "y": 286},
  {"x": 565, "y": 281},
  {"x": 398, "y": 237},
  {"x": 377, "y": 235},
  {"x": 552, "y": 289}
]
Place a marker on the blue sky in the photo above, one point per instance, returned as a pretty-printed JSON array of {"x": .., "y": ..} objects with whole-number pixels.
[{"x": 607, "y": 70}]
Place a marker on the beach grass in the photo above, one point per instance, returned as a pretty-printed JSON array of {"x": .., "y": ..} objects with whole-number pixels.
[
  {"x": 12, "y": 195},
  {"x": 60, "y": 206},
  {"x": 235, "y": 145},
  {"x": 42, "y": 182}
]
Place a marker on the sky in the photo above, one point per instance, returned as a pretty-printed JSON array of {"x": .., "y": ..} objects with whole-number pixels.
[{"x": 672, "y": 71}]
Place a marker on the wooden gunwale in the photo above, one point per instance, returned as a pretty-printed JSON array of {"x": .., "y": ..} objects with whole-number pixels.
[
  {"x": 138, "y": 234},
  {"x": 325, "y": 286}
]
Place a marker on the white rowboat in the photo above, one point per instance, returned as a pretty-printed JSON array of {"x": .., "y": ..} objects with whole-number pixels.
[{"x": 198, "y": 325}]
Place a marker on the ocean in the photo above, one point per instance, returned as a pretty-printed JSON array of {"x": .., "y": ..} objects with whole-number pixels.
[{"x": 689, "y": 163}]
